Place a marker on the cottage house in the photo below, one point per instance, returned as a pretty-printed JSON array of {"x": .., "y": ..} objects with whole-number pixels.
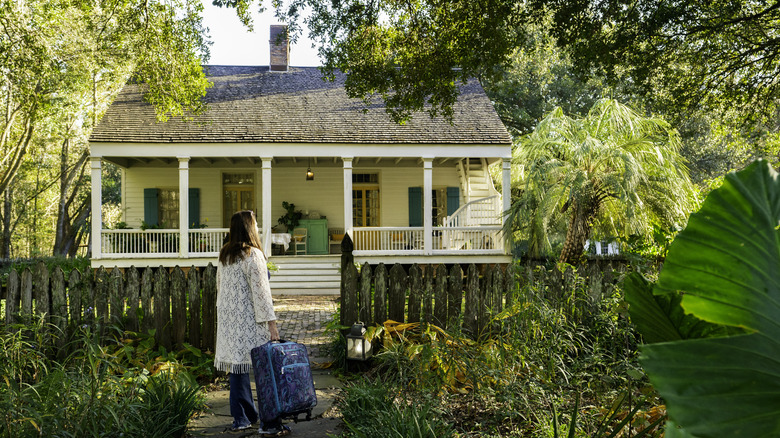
[{"x": 413, "y": 193}]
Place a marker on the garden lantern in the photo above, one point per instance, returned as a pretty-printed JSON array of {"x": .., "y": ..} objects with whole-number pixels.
[{"x": 358, "y": 348}]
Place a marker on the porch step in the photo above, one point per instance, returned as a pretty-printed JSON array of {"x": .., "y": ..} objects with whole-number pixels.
[{"x": 306, "y": 275}]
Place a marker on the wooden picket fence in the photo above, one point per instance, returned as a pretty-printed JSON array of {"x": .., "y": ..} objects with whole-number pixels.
[
  {"x": 179, "y": 306},
  {"x": 450, "y": 297}
]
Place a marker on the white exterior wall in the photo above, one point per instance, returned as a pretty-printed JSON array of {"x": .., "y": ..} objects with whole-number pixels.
[
  {"x": 209, "y": 181},
  {"x": 324, "y": 195}
]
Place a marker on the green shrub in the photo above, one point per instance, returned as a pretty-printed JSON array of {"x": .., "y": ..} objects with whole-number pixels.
[
  {"x": 371, "y": 411},
  {"x": 89, "y": 394}
]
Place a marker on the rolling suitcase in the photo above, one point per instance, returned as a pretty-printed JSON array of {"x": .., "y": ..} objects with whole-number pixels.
[{"x": 285, "y": 385}]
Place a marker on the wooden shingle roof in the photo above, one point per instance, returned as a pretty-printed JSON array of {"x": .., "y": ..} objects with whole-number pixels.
[{"x": 251, "y": 104}]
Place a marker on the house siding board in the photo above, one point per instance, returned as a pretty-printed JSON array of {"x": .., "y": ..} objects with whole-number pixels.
[
  {"x": 249, "y": 104},
  {"x": 136, "y": 179}
]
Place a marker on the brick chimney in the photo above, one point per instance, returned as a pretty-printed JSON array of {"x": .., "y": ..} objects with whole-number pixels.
[{"x": 280, "y": 47}]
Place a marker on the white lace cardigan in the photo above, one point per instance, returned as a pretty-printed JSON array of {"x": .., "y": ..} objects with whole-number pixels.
[{"x": 244, "y": 307}]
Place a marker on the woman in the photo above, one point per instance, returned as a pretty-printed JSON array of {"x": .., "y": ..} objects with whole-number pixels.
[{"x": 245, "y": 314}]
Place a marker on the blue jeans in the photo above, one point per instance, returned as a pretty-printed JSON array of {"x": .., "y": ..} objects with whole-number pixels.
[{"x": 242, "y": 404}]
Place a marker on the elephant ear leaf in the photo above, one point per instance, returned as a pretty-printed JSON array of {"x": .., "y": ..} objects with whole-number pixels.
[
  {"x": 660, "y": 318},
  {"x": 726, "y": 263}
]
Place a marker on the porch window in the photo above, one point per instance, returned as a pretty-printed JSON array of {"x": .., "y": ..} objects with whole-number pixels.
[
  {"x": 365, "y": 200},
  {"x": 239, "y": 194},
  {"x": 169, "y": 208},
  {"x": 161, "y": 207}
]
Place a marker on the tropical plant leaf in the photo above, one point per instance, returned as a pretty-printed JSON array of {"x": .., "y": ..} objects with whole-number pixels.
[
  {"x": 727, "y": 265},
  {"x": 660, "y": 318}
]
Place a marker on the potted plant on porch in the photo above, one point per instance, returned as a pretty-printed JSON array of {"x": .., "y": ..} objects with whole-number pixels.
[{"x": 291, "y": 217}]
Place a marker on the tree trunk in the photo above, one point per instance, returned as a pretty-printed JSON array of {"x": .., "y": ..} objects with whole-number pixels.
[
  {"x": 576, "y": 235},
  {"x": 71, "y": 220},
  {"x": 5, "y": 233}
]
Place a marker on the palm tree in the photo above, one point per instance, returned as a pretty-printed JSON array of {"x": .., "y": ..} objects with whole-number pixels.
[{"x": 614, "y": 171}]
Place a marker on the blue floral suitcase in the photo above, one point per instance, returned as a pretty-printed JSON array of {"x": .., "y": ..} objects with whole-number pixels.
[{"x": 285, "y": 385}]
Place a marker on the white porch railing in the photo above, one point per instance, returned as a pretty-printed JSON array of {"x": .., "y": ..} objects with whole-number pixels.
[
  {"x": 444, "y": 240},
  {"x": 153, "y": 243},
  {"x": 483, "y": 211},
  {"x": 207, "y": 241},
  {"x": 474, "y": 239},
  {"x": 389, "y": 240}
]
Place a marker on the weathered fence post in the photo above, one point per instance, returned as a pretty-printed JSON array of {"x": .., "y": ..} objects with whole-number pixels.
[
  {"x": 117, "y": 295},
  {"x": 209, "y": 328},
  {"x": 415, "y": 293},
  {"x": 440, "y": 297},
  {"x": 472, "y": 301},
  {"x": 498, "y": 289},
  {"x": 380, "y": 294},
  {"x": 397, "y": 293},
  {"x": 12, "y": 297},
  {"x": 193, "y": 299},
  {"x": 178, "y": 307},
  {"x": 59, "y": 308},
  {"x": 427, "y": 304},
  {"x": 365, "y": 293},
  {"x": 27, "y": 292},
  {"x": 510, "y": 283},
  {"x": 147, "y": 284},
  {"x": 100, "y": 295},
  {"x": 162, "y": 308},
  {"x": 347, "y": 258},
  {"x": 41, "y": 291},
  {"x": 484, "y": 300},
  {"x": 454, "y": 296},
  {"x": 75, "y": 297},
  {"x": 133, "y": 294},
  {"x": 349, "y": 295}
]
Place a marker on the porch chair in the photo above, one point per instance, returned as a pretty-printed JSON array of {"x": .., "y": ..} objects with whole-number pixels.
[
  {"x": 299, "y": 239},
  {"x": 335, "y": 236}
]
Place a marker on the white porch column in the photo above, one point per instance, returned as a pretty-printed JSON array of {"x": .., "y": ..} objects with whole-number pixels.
[
  {"x": 427, "y": 205},
  {"x": 265, "y": 215},
  {"x": 348, "y": 196},
  {"x": 506, "y": 196},
  {"x": 184, "y": 207},
  {"x": 97, "y": 203}
]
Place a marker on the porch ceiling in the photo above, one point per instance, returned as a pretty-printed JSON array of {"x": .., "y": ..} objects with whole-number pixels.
[{"x": 242, "y": 162}]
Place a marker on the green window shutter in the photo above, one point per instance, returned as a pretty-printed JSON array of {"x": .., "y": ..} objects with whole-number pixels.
[
  {"x": 415, "y": 207},
  {"x": 194, "y": 218},
  {"x": 151, "y": 207},
  {"x": 453, "y": 200}
]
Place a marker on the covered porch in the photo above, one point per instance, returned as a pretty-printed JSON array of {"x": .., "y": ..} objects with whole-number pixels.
[{"x": 473, "y": 229}]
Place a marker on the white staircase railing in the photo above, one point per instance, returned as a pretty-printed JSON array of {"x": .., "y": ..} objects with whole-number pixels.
[{"x": 483, "y": 211}]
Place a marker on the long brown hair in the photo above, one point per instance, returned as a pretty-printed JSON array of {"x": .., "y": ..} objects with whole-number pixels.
[{"x": 243, "y": 236}]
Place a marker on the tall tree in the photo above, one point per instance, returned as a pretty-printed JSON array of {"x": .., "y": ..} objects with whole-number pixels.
[
  {"x": 613, "y": 170},
  {"x": 60, "y": 63},
  {"x": 721, "y": 53},
  {"x": 540, "y": 77}
]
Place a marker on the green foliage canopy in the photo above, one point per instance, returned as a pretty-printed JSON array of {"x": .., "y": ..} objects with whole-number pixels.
[{"x": 684, "y": 54}]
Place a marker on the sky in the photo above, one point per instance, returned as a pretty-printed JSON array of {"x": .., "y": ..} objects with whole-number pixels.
[{"x": 234, "y": 45}]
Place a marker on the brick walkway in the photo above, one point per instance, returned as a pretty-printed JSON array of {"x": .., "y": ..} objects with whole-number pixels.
[{"x": 302, "y": 318}]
